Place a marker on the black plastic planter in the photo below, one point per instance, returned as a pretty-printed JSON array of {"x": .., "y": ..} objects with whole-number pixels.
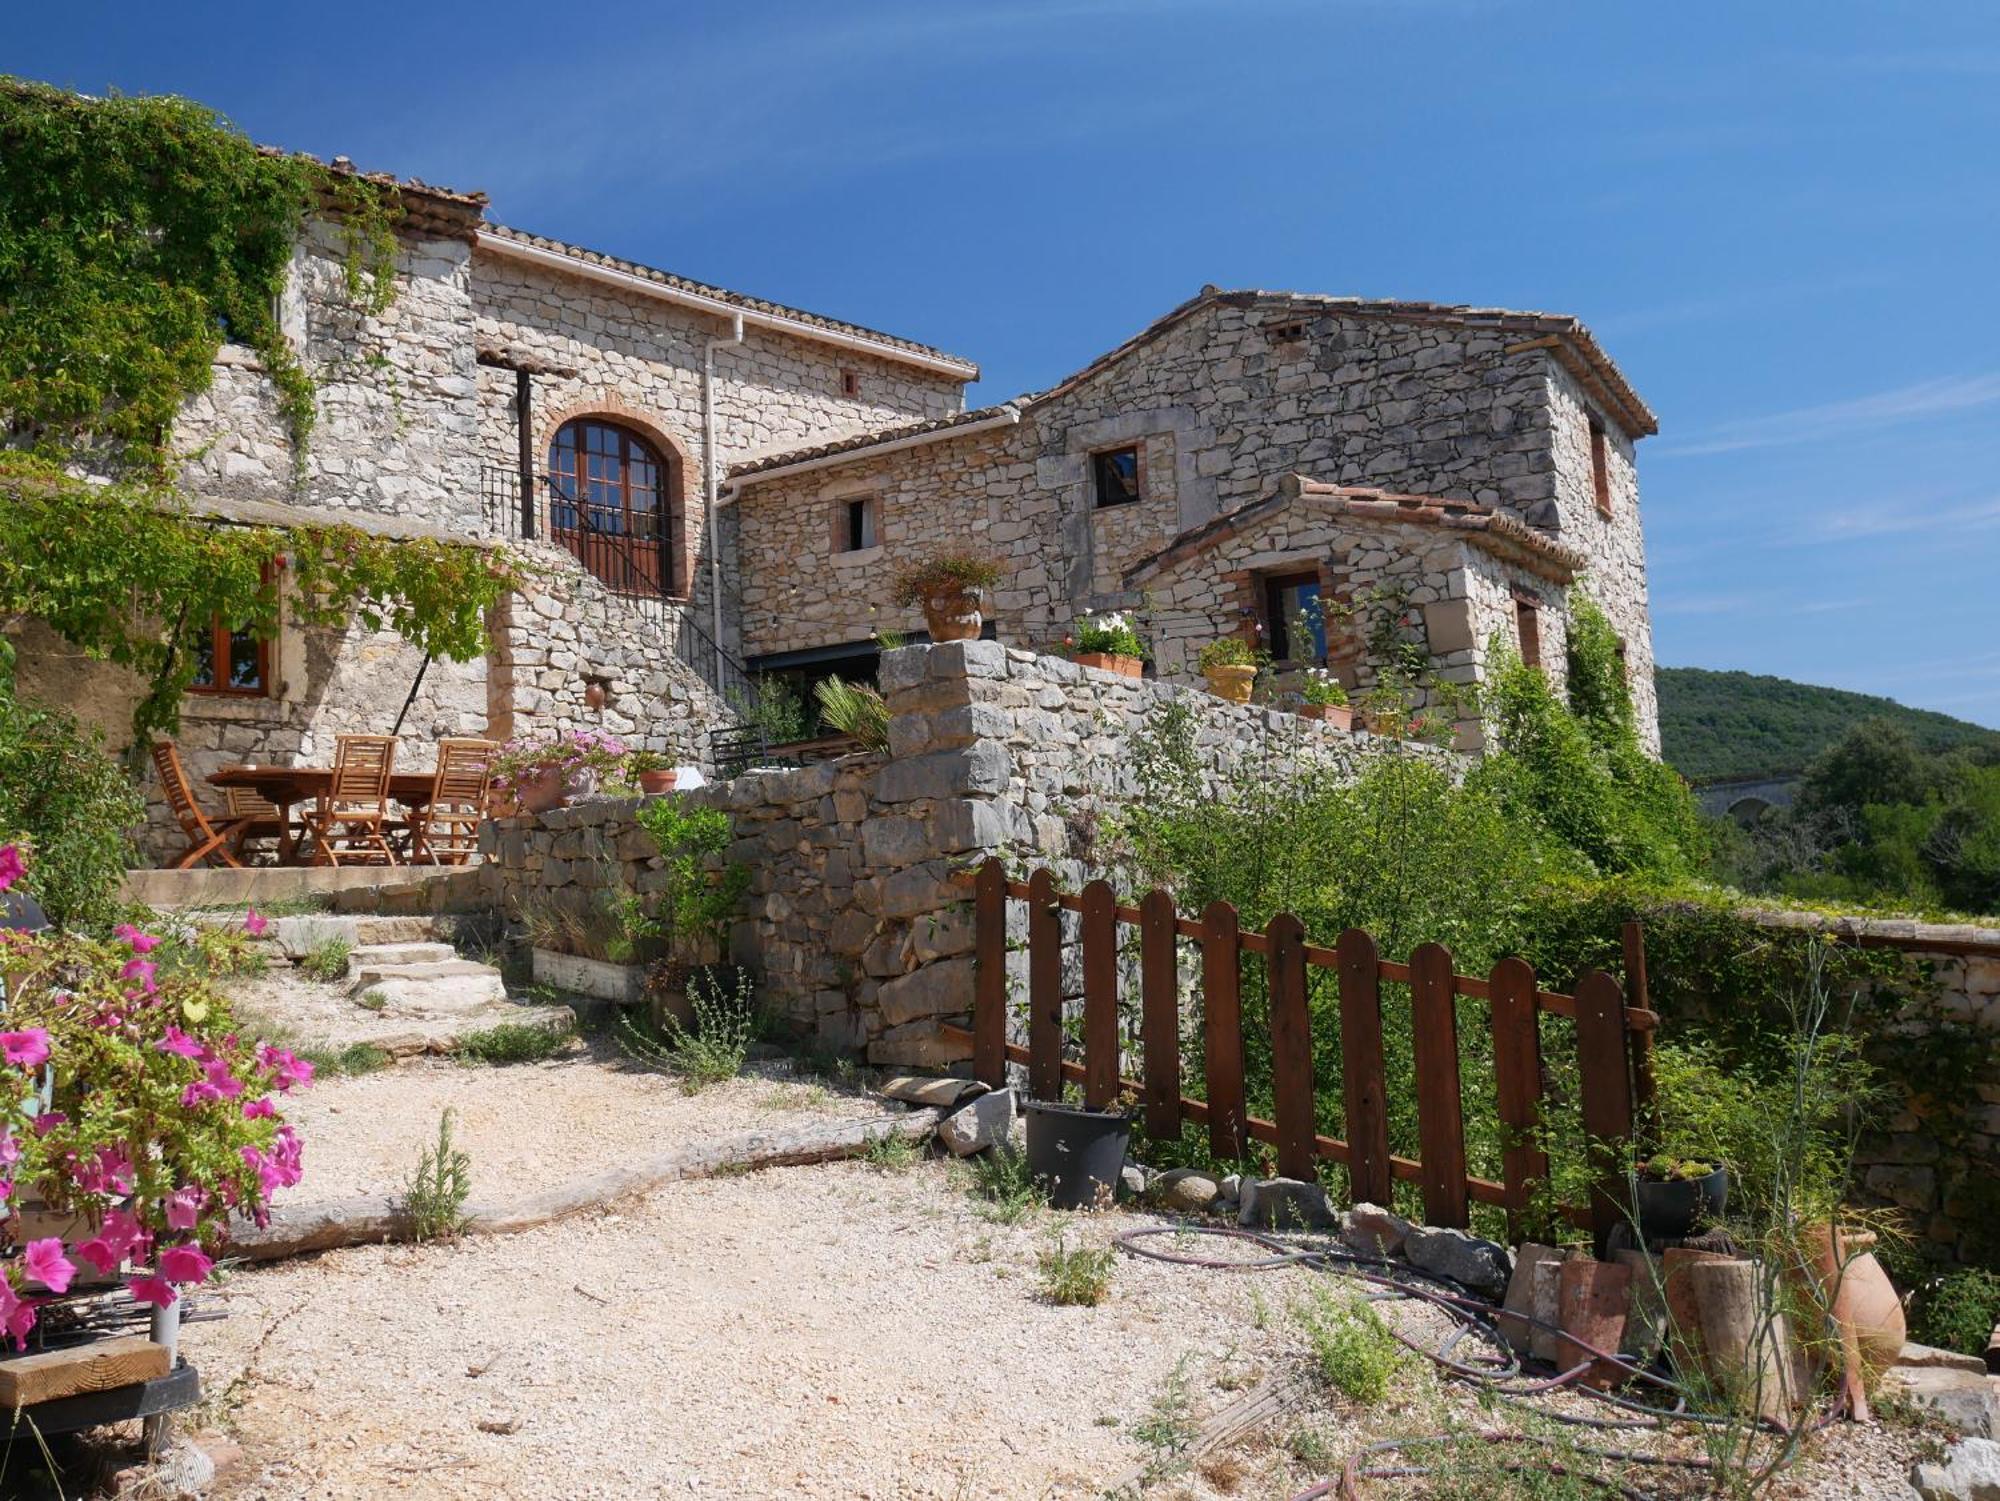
[
  {"x": 1076, "y": 1153},
  {"x": 1670, "y": 1210}
]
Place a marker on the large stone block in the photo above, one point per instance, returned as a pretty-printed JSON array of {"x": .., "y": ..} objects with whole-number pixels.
[
  {"x": 984, "y": 767},
  {"x": 943, "y": 988},
  {"x": 919, "y": 1044}
]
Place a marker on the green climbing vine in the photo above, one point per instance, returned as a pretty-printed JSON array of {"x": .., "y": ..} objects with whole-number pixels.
[{"x": 137, "y": 235}]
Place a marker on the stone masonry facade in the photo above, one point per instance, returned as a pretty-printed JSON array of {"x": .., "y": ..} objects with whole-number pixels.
[{"x": 1226, "y": 399}]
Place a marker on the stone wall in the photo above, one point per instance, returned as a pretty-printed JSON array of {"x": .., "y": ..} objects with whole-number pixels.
[
  {"x": 1221, "y": 409},
  {"x": 861, "y": 934}
]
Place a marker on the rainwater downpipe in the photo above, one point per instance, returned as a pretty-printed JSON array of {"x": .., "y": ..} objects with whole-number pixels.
[{"x": 709, "y": 480}]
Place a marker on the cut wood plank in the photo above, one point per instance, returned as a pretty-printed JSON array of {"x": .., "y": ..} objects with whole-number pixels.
[
  {"x": 1222, "y": 1029},
  {"x": 96, "y": 1367},
  {"x": 1249, "y": 1412}
]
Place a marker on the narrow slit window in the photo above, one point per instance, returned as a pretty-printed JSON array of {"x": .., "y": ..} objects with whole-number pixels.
[
  {"x": 850, "y": 383},
  {"x": 858, "y": 530},
  {"x": 1600, "y": 468},
  {"x": 1115, "y": 476},
  {"x": 1528, "y": 626}
]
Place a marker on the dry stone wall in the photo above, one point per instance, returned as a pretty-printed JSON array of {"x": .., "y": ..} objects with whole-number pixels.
[{"x": 855, "y": 920}]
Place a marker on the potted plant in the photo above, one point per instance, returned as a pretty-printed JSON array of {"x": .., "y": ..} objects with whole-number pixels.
[
  {"x": 653, "y": 771},
  {"x": 1108, "y": 642},
  {"x": 542, "y": 774},
  {"x": 1673, "y": 1195},
  {"x": 1230, "y": 665},
  {"x": 946, "y": 588},
  {"x": 1385, "y": 710},
  {"x": 1325, "y": 698},
  {"x": 1076, "y": 1152}
]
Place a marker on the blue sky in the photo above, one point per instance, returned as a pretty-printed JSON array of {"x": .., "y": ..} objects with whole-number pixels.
[{"x": 1780, "y": 218}]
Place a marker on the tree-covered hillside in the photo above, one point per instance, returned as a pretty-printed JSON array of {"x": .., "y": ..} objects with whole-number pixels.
[{"x": 1737, "y": 724}]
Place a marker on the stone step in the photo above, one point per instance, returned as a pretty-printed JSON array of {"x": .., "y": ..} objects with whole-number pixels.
[
  {"x": 374, "y": 955},
  {"x": 430, "y": 990},
  {"x": 299, "y": 936},
  {"x": 375, "y": 972}
]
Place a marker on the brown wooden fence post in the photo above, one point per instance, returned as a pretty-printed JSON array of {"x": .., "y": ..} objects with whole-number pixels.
[
  {"x": 1517, "y": 1074},
  {"x": 1044, "y": 988},
  {"x": 1603, "y": 1062},
  {"x": 1291, "y": 1048},
  {"x": 1099, "y": 932},
  {"x": 1222, "y": 1028},
  {"x": 1159, "y": 1015},
  {"x": 1440, "y": 1105},
  {"x": 989, "y": 986},
  {"x": 1363, "y": 1077},
  {"x": 1645, "y": 1107}
]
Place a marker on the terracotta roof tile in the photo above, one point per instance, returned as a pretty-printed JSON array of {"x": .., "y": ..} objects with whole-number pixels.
[
  {"x": 872, "y": 438},
  {"x": 720, "y": 294}
]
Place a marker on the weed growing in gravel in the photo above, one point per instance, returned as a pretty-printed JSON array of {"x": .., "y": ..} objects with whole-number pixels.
[
  {"x": 372, "y": 1000},
  {"x": 711, "y": 1051},
  {"x": 434, "y": 1198},
  {"x": 1010, "y": 1193},
  {"x": 890, "y": 1153},
  {"x": 327, "y": 961},
  {"x": 1260, "y": 1311},
  {"x": 1079, "y": 1278},
  {"x": 1168, "y": 1426},
  {"x": 1356, "y": 1352},
  {"x": 795, "y": 1097},
  {"x": 335, "y": 1063},
  {"x": 511, "y": 1042},
  {"x": 1314, "y": 1449}
]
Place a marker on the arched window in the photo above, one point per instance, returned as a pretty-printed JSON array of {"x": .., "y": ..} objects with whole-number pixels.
[{"x": 614, "y": 501}]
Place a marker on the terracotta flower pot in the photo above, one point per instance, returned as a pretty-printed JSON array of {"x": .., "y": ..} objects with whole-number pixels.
[
  {"x": 653, "y": 783},
  {"x": 1340, "y": 716},
  {"x": 542, "y": 790},
  {"x": 953, "y": 617},
  {"x": 1110, "y": 661},
  {"x": 1592, "y": 1298},
  {"x": 1230, "y": 682},
  {"x": 1862, "y": 1303}
]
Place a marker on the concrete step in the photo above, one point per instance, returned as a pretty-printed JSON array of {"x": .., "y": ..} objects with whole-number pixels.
[
  {"x": 445, "y": 988},
  {"x": 373, "y": 955}
]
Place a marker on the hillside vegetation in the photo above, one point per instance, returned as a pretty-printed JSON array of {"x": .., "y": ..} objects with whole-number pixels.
[{"x": 1738, "y": 724}]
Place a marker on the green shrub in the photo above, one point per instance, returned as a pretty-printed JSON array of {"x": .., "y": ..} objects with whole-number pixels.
[
  {"x": 1075, "y": 1278},
  {"x": 61, "y": 792},
  {"x": 1355, "y": 1351},
  {"x": 434, "y": 1197},
  {"x": 701, "y": 888},
  {"x": 713, "y": 1050},
  {"x": 354, "y": 1059},
  {"x": 854, "y": 709},
  {"x": 1010, "y": 1193},
  {"x": 512, "y": 1042},
  {"x": 326, "y": 961},
  {"x": 892, "y": 1152},
  {"x": 1959, "y": 1311},
  {"x": 373, "y": 1000}
]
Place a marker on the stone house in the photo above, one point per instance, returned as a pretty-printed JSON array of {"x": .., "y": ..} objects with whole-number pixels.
[
  {"x": 712, "y": 487},
  {"x": 1248, "y": 456}
]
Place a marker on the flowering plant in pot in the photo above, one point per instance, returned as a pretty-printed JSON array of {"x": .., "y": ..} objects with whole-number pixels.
[
  {"x": 1108, "y": 641},
  {"x": 1324, "y": 696},
  {"x": 946, "y": 588},
  {"x": 653, "y": 771},
  {"x": 1230, "y": 666},
  {"x": 543, "y": 774},
  {"x": 135, "y": 1120}
]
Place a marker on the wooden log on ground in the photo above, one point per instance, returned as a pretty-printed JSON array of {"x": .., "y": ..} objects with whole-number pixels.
[
  {"x": 1683, "y": 1329},
  {"x": 1747, "y": 1350},
  {"x": 95, "y": 1367},
  {"x": 377, "y": 1218},
  {"x": 1646, "y": 1313},
  {"x": 1245, "y": 1415}
]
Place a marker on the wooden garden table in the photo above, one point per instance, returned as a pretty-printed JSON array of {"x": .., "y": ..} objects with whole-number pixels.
[{"x": 287, "y": 786}]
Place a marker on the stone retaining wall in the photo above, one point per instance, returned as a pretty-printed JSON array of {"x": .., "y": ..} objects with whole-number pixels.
[{"x": 859, "y": 931}]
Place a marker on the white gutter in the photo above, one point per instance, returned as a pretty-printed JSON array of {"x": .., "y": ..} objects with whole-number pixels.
[
  {"x": 1007, "y": 416},
  {"x": 555, "y": 260},
  {"x": 709, "y": 473}
]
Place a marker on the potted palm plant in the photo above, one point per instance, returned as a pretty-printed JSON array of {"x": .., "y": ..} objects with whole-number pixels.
[
  {"x": 1109, "y": 642},
  {"x": 946, "y": 588},
  {"x": 1324, "y": 697},
  {"x": 1230, "y": 666}
]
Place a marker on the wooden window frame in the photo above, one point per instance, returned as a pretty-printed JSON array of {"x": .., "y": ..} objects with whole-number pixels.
[
  {"x": 1099, "y": 457},
  {"x": 844, "y": 514},
  {"x": 1528, "y": 629},
  {"x": 669, "y": 512},
  {"x": 1600, "y": 467},
  {"x": 1277, "y": 629},
  {"x": 219, "y": 637}
]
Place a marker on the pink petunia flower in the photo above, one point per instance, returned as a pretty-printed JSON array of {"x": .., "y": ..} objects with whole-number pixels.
[
  {"x": 184, "y": 1206},
  {"x": 141, "y": 942},
  {"x": 45, "y": 1262},
  {"x": 259, "y": 1109},
  {"x": 177, "y": 1041},
  {"x": 48, "y": 1120},
  {"x": 143, "y": 971},
  {"x": 28, "y": 1049},
  {"x": 10, "y": 1149},
  {"x": 226, "y": 1085},
  {"x": 146, "y": 1288},
  {"x": 254, "y": 924},
  {"x": 17, "y": 1314},
  {"x": 290, "y": 1069},
  {"x": 12, "y": 866},
  {"x": 185, "y": 1264},
  {"x": 97, "y": 1251}
]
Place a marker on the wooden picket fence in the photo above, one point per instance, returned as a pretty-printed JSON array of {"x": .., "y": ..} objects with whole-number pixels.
[{"x": 1612, "y": 1041}]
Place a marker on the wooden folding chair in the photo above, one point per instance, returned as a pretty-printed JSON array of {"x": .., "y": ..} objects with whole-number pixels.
[
  {"x": 352, "y": 815},
  {"x": 445, "y": 831},
  {"x": 253, "y": 816},
  {"x": 204, "y": 841}
]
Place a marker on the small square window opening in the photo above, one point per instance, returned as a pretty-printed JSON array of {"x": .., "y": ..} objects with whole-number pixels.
[
  {"x": 1115, "y": 476},
  {"x": 1294, "y": 621},
  {"x": 850, "y": 383},
  {"x": 1288, "y": 333}
]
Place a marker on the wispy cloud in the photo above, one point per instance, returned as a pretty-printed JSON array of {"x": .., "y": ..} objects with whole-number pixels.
[
  {"x": 1864, "y": 523},
  {"x": 1730, "y": 304},
  {"x": 1943, "y": 397}
]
